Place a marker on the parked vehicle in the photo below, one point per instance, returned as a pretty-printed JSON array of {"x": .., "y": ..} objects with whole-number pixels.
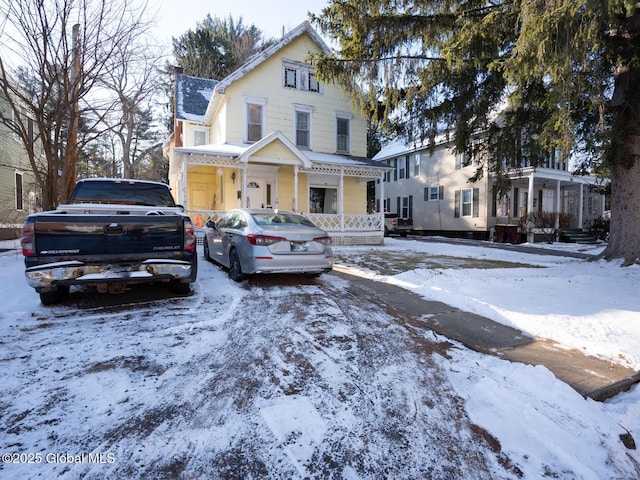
[
  {"x": 248, "y": 241},
  {"x": 396, "y": 225},
  {"x": 111, "y": 233}
]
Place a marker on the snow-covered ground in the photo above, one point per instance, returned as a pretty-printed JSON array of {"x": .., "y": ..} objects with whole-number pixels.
[{"x": 273, "y": 380}]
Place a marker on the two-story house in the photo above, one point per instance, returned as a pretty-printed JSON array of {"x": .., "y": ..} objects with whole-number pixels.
[
  {"x": 434, "y": 190},
  {"x": 18, "y": 192},
  {"x": 270, "y": 135}
]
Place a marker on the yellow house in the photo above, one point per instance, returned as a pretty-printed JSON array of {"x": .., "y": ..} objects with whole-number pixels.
[{"x": 270, "y": 135}]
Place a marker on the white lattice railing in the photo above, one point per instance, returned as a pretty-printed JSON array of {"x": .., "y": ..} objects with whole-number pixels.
[
  {"x": 352, "y": 223},
  {"x": 331, "y": 223}
]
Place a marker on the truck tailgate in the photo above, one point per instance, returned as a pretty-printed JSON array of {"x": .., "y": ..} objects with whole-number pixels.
[{"x": 59, "y": 235}]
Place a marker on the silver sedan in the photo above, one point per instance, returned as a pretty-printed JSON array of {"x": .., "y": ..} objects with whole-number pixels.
[{"x": 248, "y": 241}]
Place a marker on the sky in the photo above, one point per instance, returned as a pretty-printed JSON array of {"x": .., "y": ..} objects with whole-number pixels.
[
  {"x": 177, "y": 17},
  {"x": 542, "y": 425}
]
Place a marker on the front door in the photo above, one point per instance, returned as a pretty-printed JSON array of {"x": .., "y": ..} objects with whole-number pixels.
[{"x": 256, "y": 192}]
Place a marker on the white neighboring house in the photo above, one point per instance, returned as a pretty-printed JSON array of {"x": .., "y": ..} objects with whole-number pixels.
[
  {"x": 434, "y": 191},
  {"x": 271, "y": 135}
]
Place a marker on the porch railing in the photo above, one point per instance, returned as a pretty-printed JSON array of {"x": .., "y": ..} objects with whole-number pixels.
[
  {"x": 330, "y": 222},
  {"x": 351, "y": 223}
]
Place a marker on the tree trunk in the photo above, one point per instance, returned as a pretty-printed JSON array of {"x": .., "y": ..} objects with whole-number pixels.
[{"x": 624, "y": 237}]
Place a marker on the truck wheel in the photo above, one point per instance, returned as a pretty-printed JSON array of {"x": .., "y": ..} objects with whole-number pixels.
[
  {"x": 235, "y": 269},
  {"x": 59, "y": 295}
]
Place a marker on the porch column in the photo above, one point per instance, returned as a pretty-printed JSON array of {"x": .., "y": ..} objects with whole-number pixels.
[
  {"x": 557, "y": 206},
  {"x": 530, "y": 235},
  {"x": 294, "y": 207},
  {"x": 243, "y": 186},
  {"x": 580, "y": 205},
  {"x": 341, "y": 199}
]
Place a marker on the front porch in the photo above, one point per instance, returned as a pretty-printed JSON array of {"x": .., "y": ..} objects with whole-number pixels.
[
  {"x": 544, "y": 201},
  {"x": 330, "y": 190}
]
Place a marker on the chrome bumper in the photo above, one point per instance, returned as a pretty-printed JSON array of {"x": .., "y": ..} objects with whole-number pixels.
[{"x": 43, "y": 277}]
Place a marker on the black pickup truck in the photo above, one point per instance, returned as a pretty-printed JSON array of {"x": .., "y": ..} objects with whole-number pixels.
[{"x": 111, "y": 233}]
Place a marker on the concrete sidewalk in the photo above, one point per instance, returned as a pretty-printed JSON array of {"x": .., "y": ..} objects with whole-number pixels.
[{"x": 590, "y": 376}]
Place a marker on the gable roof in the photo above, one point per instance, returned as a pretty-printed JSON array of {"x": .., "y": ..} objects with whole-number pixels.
[
  {"x": 259, "y": 58},
  {"x": 265, "y": 54},
  {"x": 192, "y": 97}
]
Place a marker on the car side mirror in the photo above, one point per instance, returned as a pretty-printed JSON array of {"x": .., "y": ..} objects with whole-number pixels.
[{"x": 211, "y": 224}]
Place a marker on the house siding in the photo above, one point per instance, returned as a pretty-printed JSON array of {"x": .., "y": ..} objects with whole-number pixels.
[{"x": 13, "y": 159}]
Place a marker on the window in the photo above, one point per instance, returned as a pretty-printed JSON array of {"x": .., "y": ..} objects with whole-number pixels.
[
  {"x": 19, "y": 192},
  {"x": 299, "y": 76},
  {"x": 254, "y": 122},
  {"x": 403, "y": 167},
  {"x": 342, "y": 134},
  {"x": 200, "y": 137},
  {"x": 405, "y": 206},
  {"x": 323, "y": 200},
  {"x": 302, "y": 126},
  {"x": 467, "y": 203},
  {"x": 433, "y": 193},
  {"x": 416, "y": 165},
  {"x": 290, "y": 78},
  {"x": 314, "y": 85}
]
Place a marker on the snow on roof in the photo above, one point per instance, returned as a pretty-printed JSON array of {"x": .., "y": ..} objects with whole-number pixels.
[{"x": 192, "y": 97}]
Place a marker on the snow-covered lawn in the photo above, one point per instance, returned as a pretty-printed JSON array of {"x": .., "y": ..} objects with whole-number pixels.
[{"x": 276, "y": 379}]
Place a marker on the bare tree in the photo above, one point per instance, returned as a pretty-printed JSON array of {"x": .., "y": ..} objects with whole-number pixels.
[
  {"x": 51, "y": 77},
  {"x": 134, "y": 81}
]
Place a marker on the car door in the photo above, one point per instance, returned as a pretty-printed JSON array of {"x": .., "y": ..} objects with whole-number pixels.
[
  {"x": 216, "y": 235},
  {"x": 232, "y": 235}
]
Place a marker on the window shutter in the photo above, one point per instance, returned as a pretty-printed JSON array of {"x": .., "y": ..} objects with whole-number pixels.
[
  {"x": 426, "y": 194},
  {"x": 440, "y": 192},
  {"x": 398, "y": 210},
  {"x": 395, "y": 170},
  {"x": 516, "y": 194},
  {"x": 458, "y": 161},
  {"x": 410, "y": 206},
  {"x": 476, "y": 202},
  {"x": 494, "y": 204},
  {"x": 456, "y": 212}
]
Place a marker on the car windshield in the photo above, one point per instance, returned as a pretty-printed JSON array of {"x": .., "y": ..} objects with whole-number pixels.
[{"x": 280, "y": 218}]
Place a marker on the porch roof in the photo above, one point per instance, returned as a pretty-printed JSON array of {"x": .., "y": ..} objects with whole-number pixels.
[{"x": 235, "y": 154}]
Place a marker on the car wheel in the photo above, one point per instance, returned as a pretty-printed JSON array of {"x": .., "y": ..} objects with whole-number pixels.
[
  {"x": 59, "y": 295},
  {"x": 235, "y": 269},
  {"x": 386, "y": 232}
]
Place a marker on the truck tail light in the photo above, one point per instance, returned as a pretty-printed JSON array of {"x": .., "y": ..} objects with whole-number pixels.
[
  {"x": 26, "y": 240},
  {"x": 189, "y": 236}
]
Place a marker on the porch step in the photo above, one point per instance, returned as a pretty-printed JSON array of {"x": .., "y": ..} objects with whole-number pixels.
[{"x": 577, "y": 235}]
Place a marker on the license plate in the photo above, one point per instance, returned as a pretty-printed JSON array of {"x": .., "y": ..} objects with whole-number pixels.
[{"x": 299, "y": 246}]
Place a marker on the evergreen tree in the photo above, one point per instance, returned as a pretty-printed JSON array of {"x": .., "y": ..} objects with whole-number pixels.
[
  {"x": 564, "y": 76},
  {"x": 216, "y": 47}
]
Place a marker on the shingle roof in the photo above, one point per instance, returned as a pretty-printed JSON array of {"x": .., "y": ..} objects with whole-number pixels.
[{"x": 192, "y": 97}]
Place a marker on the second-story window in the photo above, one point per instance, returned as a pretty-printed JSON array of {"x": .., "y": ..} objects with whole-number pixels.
[
  {"x": 254, "y": 118},
  {"x": 343, "y": 132},
  {"x": 303, "y": 129},
  {"x": 254, "y": 123},
  {"x": 200, "y": 137}
]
